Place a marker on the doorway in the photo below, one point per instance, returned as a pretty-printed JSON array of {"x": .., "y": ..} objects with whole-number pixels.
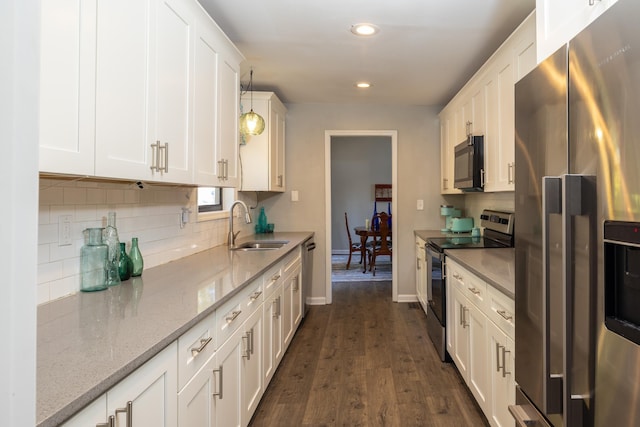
[{"x": 335, "y": 227}]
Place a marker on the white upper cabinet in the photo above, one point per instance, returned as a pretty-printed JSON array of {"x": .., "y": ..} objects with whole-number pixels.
[
  {"x": 67, "y": 75},
  {"x": 263, "y": 155},
  {"x": 154, "y": 87},
  {"x": 486, "y": 106},
  {"x": 558, "y": 22}
]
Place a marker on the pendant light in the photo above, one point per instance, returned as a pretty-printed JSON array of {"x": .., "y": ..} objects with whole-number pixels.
[{"x": 251, "y": 123}]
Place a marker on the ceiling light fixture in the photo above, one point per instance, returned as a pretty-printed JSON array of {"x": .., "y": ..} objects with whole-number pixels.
[
  {"x": 251, "y": 123},
  {"x": 364, "y": 29},
  {"x": 363, "y": 85}
]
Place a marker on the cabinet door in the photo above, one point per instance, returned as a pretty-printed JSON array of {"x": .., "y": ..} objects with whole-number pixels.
[
  {"x": 503, "y": 389},
  {"x": 524, "y": 48},
  {"x": 95, "y": 413},
  {"x": 228, "y": 108},
  {"x": 277, "y": 128},
  {"x": 479, "y": 381},
  {"x": 287, "y": 313},
  {"x": 205, "y": 104},
  {"x": 228, "y": 378},
  {"x": 151, "y": 390},
  {"x": 296, "y": 300},
  {"x": 252, "y": 385},
  {"x": 174, "y": 31},
  {"x": 195, "y": 401},
  {"x": 67, "y": 81},
  {"x": 460, "y": 326},
  {"x": 124, "y": 123},
  {"x": 272, "y": 337},
  {"x": 559, "y": 21}
]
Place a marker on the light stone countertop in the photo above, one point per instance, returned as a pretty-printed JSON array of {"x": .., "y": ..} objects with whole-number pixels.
[
  {"x": 88, "y": 342},
  {"x": 427, "y": 234},
  {"x": 495, "y": 266}
]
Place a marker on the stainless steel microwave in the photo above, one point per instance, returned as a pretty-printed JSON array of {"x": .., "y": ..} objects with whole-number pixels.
[{"x": 469, "y": 164}]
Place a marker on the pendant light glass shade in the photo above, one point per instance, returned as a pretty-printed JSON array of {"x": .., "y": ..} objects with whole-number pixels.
[{"x": 251, "y": 123}]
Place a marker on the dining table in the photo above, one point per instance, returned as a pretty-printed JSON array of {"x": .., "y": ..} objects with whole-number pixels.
[{"x": 365, "y": 233}]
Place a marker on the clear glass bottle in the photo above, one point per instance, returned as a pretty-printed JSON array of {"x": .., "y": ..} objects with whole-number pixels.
[
  {"x": 113, "y": 243},
  {"x": 136, "y": 258},
  {"x": 125, "y": 266},
  {"x": 93, "y": 259}
]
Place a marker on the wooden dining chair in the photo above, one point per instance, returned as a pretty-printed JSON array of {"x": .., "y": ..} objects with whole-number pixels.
[
  {"x": 354, "y": 246},
  {"x": 381, "y": 241}
]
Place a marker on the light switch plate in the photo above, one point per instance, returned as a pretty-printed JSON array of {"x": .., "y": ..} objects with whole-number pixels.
[
  {"x": 294, "y": 195},
  {"x": 420, "y": 205}
]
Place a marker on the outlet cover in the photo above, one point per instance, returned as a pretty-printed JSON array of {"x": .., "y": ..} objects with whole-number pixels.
[{"x": 64, "y": 230}]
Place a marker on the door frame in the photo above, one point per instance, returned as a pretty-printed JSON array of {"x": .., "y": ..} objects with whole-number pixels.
[{"x": 328, "y": 134}]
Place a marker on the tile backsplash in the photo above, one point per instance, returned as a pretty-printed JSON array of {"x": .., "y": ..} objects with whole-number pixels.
[{"x": 152, "y": 214}]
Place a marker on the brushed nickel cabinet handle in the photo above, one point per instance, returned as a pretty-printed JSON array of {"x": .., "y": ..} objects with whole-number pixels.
[
  {"x": 166, "y": 157},
  {"x": 247, "y": 351},
  {"x": 203, "y": 343},
  {"x": 474, "y": 291},
  {"x": 219, "y": 392},
  {"x": 155, "y": 150},
  {"x": 504, "y": 362},
  {"x": 128, "y": 410},
  {"x": 504, "y": 314},
  {"x": 254, "y": 296},
  {"x": 498, "y": 366},
  {"x": 220, "y": 169},
  {"x": 234, "y": 316}
]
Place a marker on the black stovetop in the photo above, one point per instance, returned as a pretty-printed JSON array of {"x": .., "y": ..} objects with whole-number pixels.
[{"x": 491, "y": 239}]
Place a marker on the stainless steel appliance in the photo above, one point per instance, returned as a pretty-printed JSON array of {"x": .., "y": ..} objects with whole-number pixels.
[
  {"x": 498, "y": 234},
  {"x": 468, "y": 167},
  {"x": 577, "y": 200},
  {"x": 307, "y": 272}
]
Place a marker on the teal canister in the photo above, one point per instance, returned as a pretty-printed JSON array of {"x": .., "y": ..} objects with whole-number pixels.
[
  {"x": 136, "y": 258},
  {"x": 93, "y": 260}
]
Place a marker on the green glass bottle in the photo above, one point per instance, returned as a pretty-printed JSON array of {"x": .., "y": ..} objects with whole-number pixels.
[
  {"x": 113, "y": 243},
  {"x": 125, "y": 266},
  {"x": 136, "y": 258}
]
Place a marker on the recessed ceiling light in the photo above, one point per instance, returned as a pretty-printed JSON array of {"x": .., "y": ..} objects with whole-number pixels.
[
  {"x": 363, "y": 85},
  {"x": 364, "y": 29}
]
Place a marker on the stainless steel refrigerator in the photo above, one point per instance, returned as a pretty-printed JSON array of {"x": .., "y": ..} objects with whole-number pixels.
[{"x": 577, "y": 238}]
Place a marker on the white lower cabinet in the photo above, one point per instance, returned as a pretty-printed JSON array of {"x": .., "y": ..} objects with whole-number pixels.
[
  {"x": 503, "y": 388},
  {"x": 421, "y": 273},
  {"x": 481, "y": 350},
  {"x": 219, "y": 368},
  {"x": 144, "y": 398}
]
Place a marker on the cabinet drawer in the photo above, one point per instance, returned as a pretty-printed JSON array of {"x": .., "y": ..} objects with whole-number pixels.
[
  {"x": 291, "y": 261},
  {"x": 271, "y": 279},
  {"x": 501, "y": 311},
  {"x": 234, "y": 312},
  {"x": 468, "y": 283},
  {"x": 195, "y": 347}
]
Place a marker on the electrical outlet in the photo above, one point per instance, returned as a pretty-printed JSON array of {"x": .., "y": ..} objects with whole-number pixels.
[
  {"x": 420, "y": 205},
  {"x": 64, "y": 230}
]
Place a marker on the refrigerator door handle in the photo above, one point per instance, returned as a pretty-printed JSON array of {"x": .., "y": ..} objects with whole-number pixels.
[
  {"x": 580, "y": 200},
  {"x": 553, "y": 381}
]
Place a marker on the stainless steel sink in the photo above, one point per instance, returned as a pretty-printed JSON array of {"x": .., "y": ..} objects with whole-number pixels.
[{"x": 260, "y": 245}]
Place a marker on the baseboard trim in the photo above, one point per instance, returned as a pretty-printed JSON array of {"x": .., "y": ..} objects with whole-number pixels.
[{"x": 407, "y": 298}]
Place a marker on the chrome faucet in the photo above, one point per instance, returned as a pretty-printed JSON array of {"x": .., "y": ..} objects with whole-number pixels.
[{"x": 247, "y": 218}]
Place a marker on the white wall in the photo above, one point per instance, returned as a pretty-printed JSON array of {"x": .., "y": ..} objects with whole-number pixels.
[
  {"x": 19, "y": 53},
  {"x": 418, "y": 177}
]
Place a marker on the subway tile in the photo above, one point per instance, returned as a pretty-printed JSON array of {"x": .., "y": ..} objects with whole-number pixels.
[
  {"x": 42, "y": 291},
  {"x": 51, "y": 195},
  {"x": 49, "y": 271},
  {"x": 74, "y": 196},
  {"x": 48, "y": 233},
  {"x": 61, "y": 288},
  {"x": 115, "y": 196},
  {"x": 43, "y": 254},
  {"x": 96, "y": 196}
]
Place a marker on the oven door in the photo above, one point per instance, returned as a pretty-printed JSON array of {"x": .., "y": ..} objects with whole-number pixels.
[{"x": 435, "y": 283}]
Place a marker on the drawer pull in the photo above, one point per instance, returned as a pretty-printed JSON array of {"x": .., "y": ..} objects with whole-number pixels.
[
  {"x": 474, "y": 291},
  {"x": 234, "y": 316},
  {"x": 276, "y": 277},
  {"x": 203, "y": 343},
  {"x": 504, "y": 314},
  {"x": 218, "y": 394},
  {"x": 128, "y": 410},
  {"x": 254, "y": 296}
]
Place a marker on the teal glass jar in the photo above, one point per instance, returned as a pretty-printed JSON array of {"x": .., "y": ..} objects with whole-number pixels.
[
  {"x": 125, "y": 266},
  {"x": 136, "y": 258},
  {"x": 93, "y": 261}
]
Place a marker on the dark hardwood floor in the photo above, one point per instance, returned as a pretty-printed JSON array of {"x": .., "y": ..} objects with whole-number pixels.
[{"x": 365, "y": 361}]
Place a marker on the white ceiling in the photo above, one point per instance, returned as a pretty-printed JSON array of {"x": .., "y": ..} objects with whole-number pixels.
[{"x": 424, "y": 53}]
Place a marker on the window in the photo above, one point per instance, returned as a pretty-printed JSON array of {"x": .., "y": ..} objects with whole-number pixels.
[{"x": 209, "y": 199}]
